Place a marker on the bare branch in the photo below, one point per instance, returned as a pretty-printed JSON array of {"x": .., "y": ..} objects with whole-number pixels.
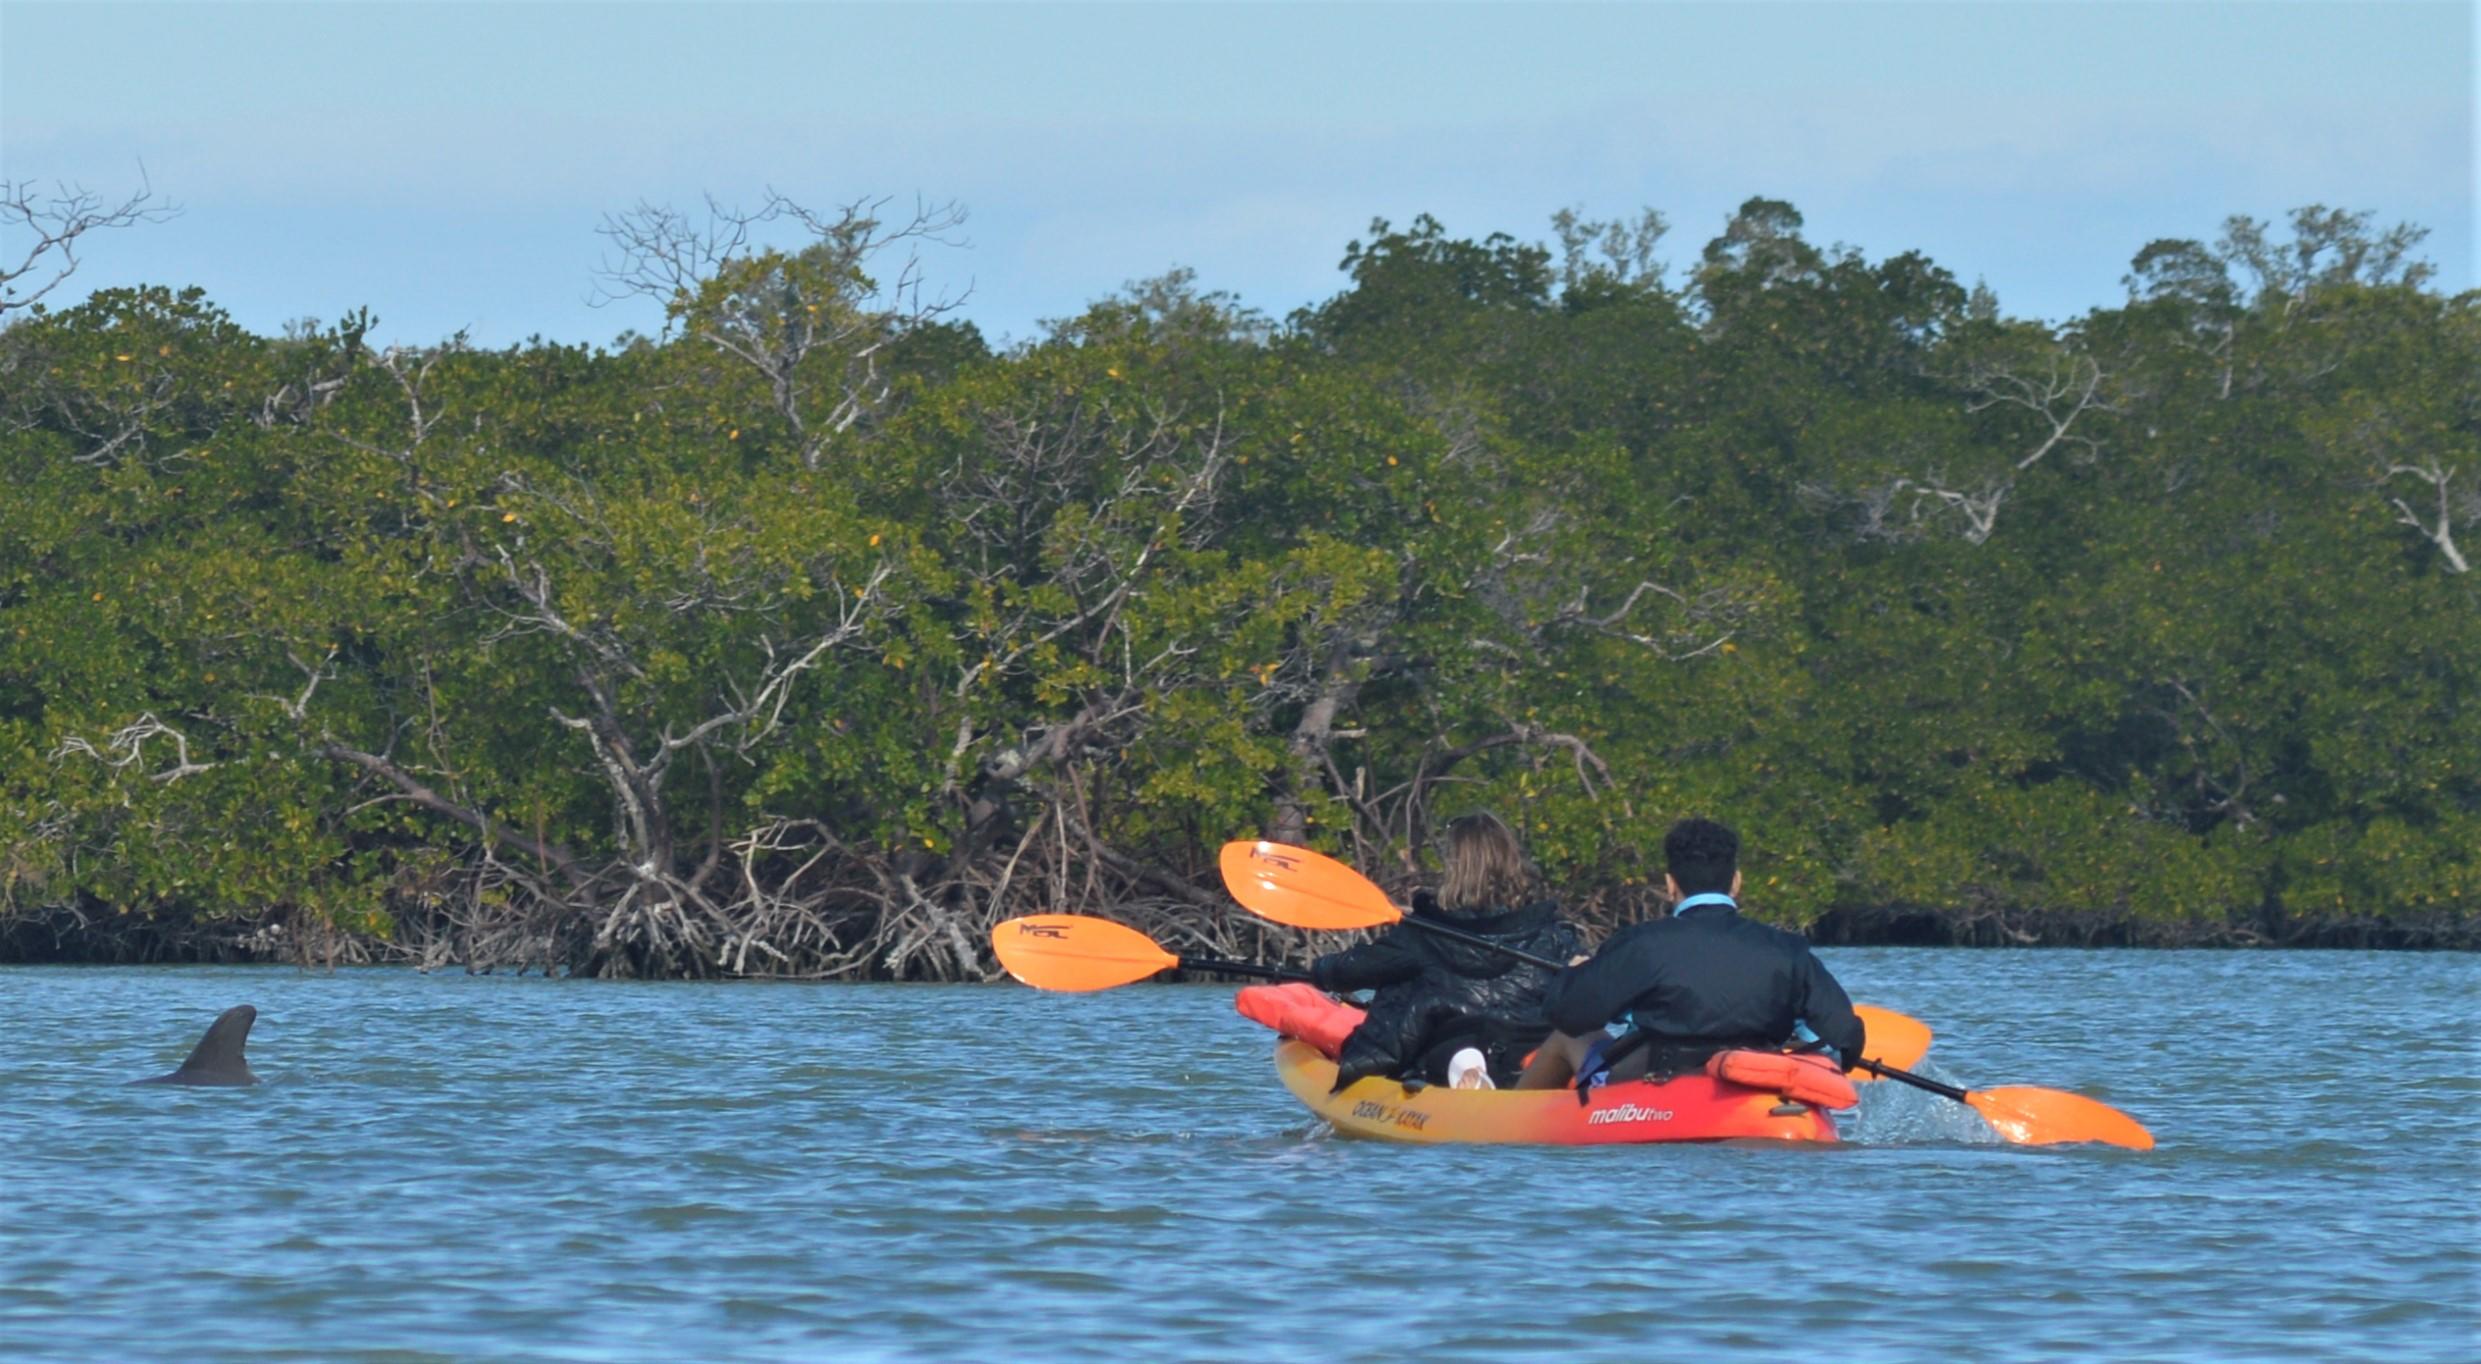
[
  {"x": 1978, "y": 506},
  {"x": 772, "y": 310},
  {"x": 421, "y": 794},
  {"x": 51, "y": 226},
  {"x": 658, "y": 252},
  {"x": 2438, "y": 526},
  {"x": 857, "y": 609},
  {"x": 410, "y": 369},
  {"x": 299, "y": 707},
  {"x": 2065, "y": 388},
  {"x": 128, "y": 749}
]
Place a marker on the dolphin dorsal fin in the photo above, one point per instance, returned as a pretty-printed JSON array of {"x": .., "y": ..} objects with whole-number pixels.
[{"x": 218, "y": 1058}]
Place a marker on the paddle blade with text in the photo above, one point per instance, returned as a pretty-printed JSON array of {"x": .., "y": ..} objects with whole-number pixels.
[
  {"x": 1076, "y": 953},
  {"x": 1302, "y": 888}
]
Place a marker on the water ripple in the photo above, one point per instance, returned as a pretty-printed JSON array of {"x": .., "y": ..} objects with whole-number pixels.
[{"x": 454, "y": 1168}]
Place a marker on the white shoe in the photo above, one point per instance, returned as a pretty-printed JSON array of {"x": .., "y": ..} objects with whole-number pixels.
[{"x": 1467, "y": 1070}]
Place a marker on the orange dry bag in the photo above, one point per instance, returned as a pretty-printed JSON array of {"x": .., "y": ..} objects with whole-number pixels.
[
  {"x": 1810, "y": 1078},
  {"x": 1302, "y": 1011}
]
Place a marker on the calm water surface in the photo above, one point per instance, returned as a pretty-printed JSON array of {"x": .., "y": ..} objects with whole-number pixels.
[{"x": 457, "y": 1168}]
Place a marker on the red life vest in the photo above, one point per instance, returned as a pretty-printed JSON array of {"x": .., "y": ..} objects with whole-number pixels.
[
  {"x": 1810, "y": 1078},
  {"x": 1302, "y": 1011}
]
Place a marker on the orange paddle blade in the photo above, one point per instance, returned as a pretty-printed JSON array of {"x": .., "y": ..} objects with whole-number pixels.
[
  {"x": 2030, "y": 1116},
  {"x": 1304, "y": 889},
  {"x": 1073, "y": 952},
  {"x": 1898, "y": 1040}
]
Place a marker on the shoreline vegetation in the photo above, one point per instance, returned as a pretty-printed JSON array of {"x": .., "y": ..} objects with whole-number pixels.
[{"x": 812, "y": 636}]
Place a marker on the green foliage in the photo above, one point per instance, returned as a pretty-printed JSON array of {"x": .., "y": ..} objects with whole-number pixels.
[{"x": 818, "y": 631}]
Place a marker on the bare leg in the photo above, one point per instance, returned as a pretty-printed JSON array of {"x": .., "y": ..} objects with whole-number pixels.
[{"x": 1554, "y": 1063}]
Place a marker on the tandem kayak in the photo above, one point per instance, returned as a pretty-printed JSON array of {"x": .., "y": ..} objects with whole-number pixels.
[{"x": 1686, "y": 1108}]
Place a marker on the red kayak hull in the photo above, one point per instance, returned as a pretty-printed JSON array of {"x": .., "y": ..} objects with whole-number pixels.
[{"x": 1688, "y": 1108}]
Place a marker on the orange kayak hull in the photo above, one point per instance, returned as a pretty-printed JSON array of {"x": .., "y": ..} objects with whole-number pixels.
[{"x": 1689, "y": 1108}]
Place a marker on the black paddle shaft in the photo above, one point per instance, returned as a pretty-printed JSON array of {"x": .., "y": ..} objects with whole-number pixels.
[
  {"x": 1451, "y": 931},
  {"x": 1917, "y": 1082},
  {"x": 1252, "y": 970}
]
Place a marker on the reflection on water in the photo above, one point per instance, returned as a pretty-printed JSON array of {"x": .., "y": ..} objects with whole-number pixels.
[{"x": 492, "y": 1168}]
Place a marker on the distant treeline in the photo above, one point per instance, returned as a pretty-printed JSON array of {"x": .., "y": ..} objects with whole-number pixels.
[{"x": 812, "y": 636}]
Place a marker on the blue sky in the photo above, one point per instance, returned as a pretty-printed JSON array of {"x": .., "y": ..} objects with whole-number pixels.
[{"x": 446, "y": 164}]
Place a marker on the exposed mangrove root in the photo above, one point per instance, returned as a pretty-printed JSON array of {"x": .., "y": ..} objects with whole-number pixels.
[{"x": 803, "y": 906}]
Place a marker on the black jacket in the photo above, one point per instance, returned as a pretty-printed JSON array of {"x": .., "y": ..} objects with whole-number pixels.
[
  {"x": 1436, "y": 995},
  {"x": 1705, "y": 980}
]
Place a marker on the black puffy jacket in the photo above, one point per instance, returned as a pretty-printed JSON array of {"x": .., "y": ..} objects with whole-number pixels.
[
  {"x": 1436, "y": 995},
  {"x": 1704, "y": 980}
]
